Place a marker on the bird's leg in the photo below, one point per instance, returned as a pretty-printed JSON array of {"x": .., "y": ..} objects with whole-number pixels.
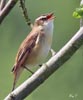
[
  {"x": 52, "y": 52},
  {"x": 13, "y": 86},
  {"x": 14, "y": 83},
  {"x": 28, "y": 70}
]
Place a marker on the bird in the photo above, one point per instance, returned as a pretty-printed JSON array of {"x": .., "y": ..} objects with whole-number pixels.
[{"x": 36, "y": 46}]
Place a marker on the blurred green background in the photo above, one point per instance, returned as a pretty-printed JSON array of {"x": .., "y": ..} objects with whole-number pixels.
[{"x": 67, "y": 82}]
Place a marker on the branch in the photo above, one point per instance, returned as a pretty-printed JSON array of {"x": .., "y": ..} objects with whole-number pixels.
[
  {"x": 25, "y": 13},
  {"x": 47, "y": 69},
  {"x": 5, "y": 11},
  {"x": 81, "y": 20},
  {"x": 2, "y": 4}
]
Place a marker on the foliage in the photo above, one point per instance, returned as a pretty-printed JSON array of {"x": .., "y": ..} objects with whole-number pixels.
[{"x": 78, "y": 13}]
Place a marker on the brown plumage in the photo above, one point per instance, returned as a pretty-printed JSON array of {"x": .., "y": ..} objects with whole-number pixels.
[
  {"x": 23, "y": 53},
  {"x": 36, "y": 46}
]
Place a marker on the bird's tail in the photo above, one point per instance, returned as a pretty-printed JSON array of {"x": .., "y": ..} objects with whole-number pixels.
[{"x": 16, "y": 71}]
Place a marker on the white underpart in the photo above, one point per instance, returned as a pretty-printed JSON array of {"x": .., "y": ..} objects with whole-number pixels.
[
  {"x": 48, "y": 29},
  {"x": 46, "y": 44}
]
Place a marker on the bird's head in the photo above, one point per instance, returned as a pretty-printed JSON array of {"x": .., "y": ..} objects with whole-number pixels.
[{"x": 44, "y": 20}]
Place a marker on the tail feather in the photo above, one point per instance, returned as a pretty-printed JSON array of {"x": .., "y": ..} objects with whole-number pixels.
[{"x": 16, "y": 73}]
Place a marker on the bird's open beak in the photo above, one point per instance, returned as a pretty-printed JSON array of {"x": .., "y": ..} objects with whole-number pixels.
[{"x": 50, "y": 16}]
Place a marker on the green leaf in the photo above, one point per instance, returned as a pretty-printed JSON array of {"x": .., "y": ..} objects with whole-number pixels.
[{"x": 78, "y": 13}]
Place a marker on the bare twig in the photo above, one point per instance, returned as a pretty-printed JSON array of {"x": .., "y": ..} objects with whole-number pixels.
[
  {"x": 47, "y": 69},
  {"x": 81, "y": 20},
  {"x": 52, "y": 52},
  {"x": 2, "y": 4},
  {"x": 5, "y": 11},
  {"x": 25, "y": 13}
]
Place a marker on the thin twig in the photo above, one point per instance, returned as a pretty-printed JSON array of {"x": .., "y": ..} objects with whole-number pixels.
[
  {"x": 25, "y": 13},
  {"x": 81, "y": 20},
  {"x": 52, "y": 52},
  {"x": 2, "y": 4},
  {"x": 47, "y": 69}
]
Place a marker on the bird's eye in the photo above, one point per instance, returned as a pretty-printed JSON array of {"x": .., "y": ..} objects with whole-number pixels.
[{"x": 43, "y": 18}]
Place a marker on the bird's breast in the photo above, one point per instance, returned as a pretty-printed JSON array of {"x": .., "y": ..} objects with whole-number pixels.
[
  {"x": 40, "y": 51},
  {"x": 42, "y": 45}
]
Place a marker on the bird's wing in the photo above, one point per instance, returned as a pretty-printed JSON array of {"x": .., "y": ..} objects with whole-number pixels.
[{"x": 24, "y": 50}]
